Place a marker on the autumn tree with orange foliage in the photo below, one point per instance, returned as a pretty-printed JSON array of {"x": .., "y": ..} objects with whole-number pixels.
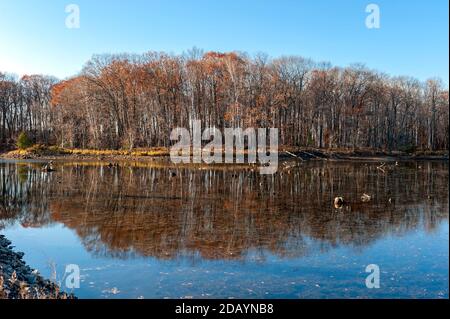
[{"x": 128, "y": 101}]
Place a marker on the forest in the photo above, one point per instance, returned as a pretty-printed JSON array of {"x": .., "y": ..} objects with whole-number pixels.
[{"x": 126, "y": 101}]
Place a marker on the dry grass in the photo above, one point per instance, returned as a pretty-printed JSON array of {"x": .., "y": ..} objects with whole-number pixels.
[
  {"x": 157, "y": 151},
  {"x": 42, "y": 150}
]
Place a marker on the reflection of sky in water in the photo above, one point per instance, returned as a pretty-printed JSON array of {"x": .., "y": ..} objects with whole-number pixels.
[{"x": 412, "y": 265}]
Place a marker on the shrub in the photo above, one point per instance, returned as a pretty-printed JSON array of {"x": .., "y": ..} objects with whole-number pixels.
[{"x": 23, "y": 141}]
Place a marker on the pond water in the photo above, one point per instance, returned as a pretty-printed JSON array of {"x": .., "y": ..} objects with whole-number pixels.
[{"x": 149, "y": 231}]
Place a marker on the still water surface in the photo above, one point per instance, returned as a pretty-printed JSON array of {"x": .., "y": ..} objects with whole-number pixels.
[{"x": 137, "y": 231}]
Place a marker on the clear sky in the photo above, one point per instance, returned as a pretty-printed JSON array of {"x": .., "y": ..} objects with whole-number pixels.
[{"x": 412, "y": 38}]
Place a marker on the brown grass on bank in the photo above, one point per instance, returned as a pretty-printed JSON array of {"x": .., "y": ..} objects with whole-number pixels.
[
  {"x": 39, "y": 150},
  {"x": 43, "y": 150}
]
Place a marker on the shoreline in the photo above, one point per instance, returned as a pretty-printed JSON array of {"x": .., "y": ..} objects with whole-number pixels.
[
  {"x": 163, "y": 154},
  {"x": 20, "y": 281},
  {"x": 367, "y": 155}
]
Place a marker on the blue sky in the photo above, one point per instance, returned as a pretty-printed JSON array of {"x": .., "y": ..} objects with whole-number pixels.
[{"x": 412, "y": 39}]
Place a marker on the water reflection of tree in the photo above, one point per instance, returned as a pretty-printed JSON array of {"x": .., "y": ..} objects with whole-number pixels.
[
  {"x": 222, "y": 214},
  {"x": 23, "y": 196}
]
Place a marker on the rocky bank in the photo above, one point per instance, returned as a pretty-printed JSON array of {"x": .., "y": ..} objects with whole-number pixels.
[{"x": 19, "y": 281}]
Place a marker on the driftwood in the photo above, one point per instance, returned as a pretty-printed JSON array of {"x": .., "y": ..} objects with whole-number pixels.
[
  {"x": 312, "y": 155},
  {"x": 365, "y": 197},
  {"x": 381, "y": 167},
  {"x": 292, "y": 154}
]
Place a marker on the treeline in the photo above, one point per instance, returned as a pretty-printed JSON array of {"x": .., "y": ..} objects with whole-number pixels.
[
  {"x": 25, "y": 106},
  {"x": 127, "y": 101}
]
